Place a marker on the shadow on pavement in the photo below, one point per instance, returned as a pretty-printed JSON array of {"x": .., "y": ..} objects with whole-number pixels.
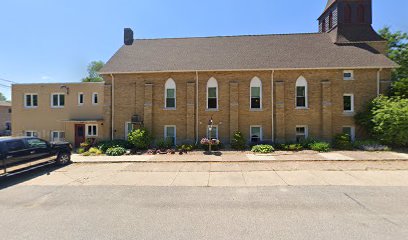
[{"x": 26, "y": 175}]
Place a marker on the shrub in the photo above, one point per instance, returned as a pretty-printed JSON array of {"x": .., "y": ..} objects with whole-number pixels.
[
  {"x": 186, "y": 147},
  {"x": 238, "y": 141},
  {"x": 262, "y": 149},
  {"x": 291, "y": 147},
  {"x": 103, "y": 146},
  {"x": 86, "y": 154},
  {"x": 115, "y": 151},
  {"x": 140, "y": 138},
  {"x": 320, "y": 146},
  {"x": 342, "y": 142},
  {"x": 81, "y": 150},
  {"x": 164, "y": 144},
  {"x": 95, "y": 151},
  {"x": 370, "y": 145},
  {"x": 306, "y": 143}
]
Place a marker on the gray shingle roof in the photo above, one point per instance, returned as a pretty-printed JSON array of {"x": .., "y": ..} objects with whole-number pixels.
[{"x": 281, "y": 51}]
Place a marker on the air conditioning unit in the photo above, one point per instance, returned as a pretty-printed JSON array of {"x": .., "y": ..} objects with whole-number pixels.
[{"x": 136, "y": 119}]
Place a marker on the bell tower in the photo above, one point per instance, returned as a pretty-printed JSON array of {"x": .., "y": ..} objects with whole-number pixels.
[{"x": 349, "y": 21}]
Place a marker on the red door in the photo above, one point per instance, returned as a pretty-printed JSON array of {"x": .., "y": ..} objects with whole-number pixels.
[{"x": 79, "y": 134}]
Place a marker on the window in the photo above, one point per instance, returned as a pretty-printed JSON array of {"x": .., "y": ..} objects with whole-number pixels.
[
  {"x": 31, "y": 100},
  {"x": 256, "y": 134},
  {"x": 36, "y": 143},
  {"x": 91, "y": 130},
  {"x": 348, "y": 75},
  {"x": 57, "y": 136},
  {"x": 351, "y": 131},
  {"x": 348, "y": 103},
  {"x": 8, "y": 126},
  {"x": 324, "y": 25},
  {"x": 347, "y": 13},
  {"x": 31, "y": 133},
  {"x": 256, "y": 93},
  {"x": 170, "y": 134},
  {"x": 9, "y": 110},
  {"x": 301, "y": 93},
  {"x": 57, "y": 100},
  {"x": 128, "y": 129},
  {"x": 213, "y": 134},
  {"x": 80, "y": 99},
  {"x": 212, "y": 94},
  {"x": 361, "y": 14},
  {"x": 170, "y": 94},
  {"x": 15, "y": 145},
  {"x": 330, "y": 20},
  {"x": 301, "y": 133},
  {"x": 95, "y": 99}
]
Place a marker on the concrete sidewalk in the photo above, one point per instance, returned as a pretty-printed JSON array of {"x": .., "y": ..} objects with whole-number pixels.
[{"x": 230, "y": 156}]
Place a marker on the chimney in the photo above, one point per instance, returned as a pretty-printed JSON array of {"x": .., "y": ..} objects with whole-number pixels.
[{"x": 128, "y": 36}]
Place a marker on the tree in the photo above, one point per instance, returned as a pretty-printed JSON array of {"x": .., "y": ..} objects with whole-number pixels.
[
  {"x": 397, "y": 51},
  {"x": 2, "y": 97},
  {"x": 93, "y": 69}
]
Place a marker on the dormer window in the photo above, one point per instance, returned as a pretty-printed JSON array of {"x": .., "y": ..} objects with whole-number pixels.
[
  {"x": 324, "y": 25},
  {"x": 330, "y": 20}
]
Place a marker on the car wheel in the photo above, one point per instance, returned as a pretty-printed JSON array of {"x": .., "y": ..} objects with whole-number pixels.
[{"x": 64, "y": 159}]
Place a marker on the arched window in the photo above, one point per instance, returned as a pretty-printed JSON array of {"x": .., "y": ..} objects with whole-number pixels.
[
  {"x": 347, "y": 13},
  {"x": 330, "y": 20},
  {"x": 212, "y": 94},
  {"x": 170, "y": 94},
  {"x": 301, "y": 93},
  {"x": 361, "y": 13},
  {"x": 256, "y": 93}
]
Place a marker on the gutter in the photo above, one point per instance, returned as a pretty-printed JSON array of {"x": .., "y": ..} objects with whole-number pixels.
[
  {"x": 113, "y": 106},
  {"x": 272, "y": 105},
  {"x": 197, "y": 107},
  {"x": 378, "y": 81}
]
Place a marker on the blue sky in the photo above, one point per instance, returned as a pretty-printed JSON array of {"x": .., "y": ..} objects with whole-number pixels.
[{"x": 54, "y": 40}]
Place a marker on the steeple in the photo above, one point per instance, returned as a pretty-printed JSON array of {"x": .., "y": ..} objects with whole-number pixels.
[{"x": 348, "y": 21}]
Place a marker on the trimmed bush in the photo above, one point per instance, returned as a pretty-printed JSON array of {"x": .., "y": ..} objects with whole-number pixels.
[
  {"x": 262, "y": 149},
  {"x": 291, "y": 147},
  {"x": 238, "y": 141},
  {"x": 186, "y": 147},
  {"x": 342, "y": 142},
  {"x": 103, "y": 146},
  {"x": 320, "y": 146},
  {"x": 140, "y": 139},
  {"x": 115, "y": 151},
  {"x": 164, "y": 144},
  {"x": 81, "y": 150},
  {"x": 95, "y": 151}
]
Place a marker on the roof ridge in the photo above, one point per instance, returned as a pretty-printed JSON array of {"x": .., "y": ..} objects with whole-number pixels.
[{"x": 232, "y": 36}]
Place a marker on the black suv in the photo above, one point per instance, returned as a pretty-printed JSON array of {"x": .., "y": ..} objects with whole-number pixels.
[{"x": 24, "y": 153}]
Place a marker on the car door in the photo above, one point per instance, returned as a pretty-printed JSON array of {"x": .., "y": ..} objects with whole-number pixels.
[
  {"x": 39, "y": 150},
  {"x": 2, "y": 159},
  {"x": 16, "y": 152}
]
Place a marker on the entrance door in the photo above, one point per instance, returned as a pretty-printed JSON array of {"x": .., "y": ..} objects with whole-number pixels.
[{"x": 79, "y": 134}]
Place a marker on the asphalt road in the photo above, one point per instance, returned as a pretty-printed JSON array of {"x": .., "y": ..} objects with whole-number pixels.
[{"x": 130, "y": 212}]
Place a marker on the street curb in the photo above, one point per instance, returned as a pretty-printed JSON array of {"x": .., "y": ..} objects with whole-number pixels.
[{"x": 255, "y": 161}]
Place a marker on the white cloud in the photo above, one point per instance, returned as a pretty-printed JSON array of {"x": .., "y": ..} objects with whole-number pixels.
[{"x": 46, "y": 78}]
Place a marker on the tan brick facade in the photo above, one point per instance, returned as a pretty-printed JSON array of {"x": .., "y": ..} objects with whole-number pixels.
[{"x": 143, "y": 94}]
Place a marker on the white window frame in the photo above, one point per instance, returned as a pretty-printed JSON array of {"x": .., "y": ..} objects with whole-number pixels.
[
  {"x": 170, "y": 84},
  {"x": 212, "y": 83},
  {"x": 352, "y": 131},
  {"x": 250, "y": 132},
  {"x": 302, "y": 82},
  {"x": 79, "y": 99},
  {"x": 352, "y": 102},
  {"x": 127, "y": 129},
  {"x": 59, "y": 103},
  {"x": 32, "y": 100},
  {"x": 91, "y": 125},
  {"x": 306, "y": 131},
  {"x": 32, "y": 133},
  {"x": 216, "y": 132},
  {"x": 93, "y": 98},
  {"x": 59, "y": 138},
  {"x": 255, "y": 82},
  {"x": 348, "y": 78},
  {"x": 175, "y": 132}
]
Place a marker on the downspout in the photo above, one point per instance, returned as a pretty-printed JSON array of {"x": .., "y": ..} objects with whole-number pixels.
[
  {"x": 112, "y": 106},
  {"x": 196, "y": 107},
  {"x": 378, "y": 81},
  {"x": 272, "y": 105}
]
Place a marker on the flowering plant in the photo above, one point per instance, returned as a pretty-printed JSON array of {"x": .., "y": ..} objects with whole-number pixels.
[{"x": 207, "y": 142}]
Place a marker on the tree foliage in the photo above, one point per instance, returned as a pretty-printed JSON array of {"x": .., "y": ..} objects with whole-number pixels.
[
  {"x": 2, "y": 97},
  {"x": 93, "y": 69}
]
